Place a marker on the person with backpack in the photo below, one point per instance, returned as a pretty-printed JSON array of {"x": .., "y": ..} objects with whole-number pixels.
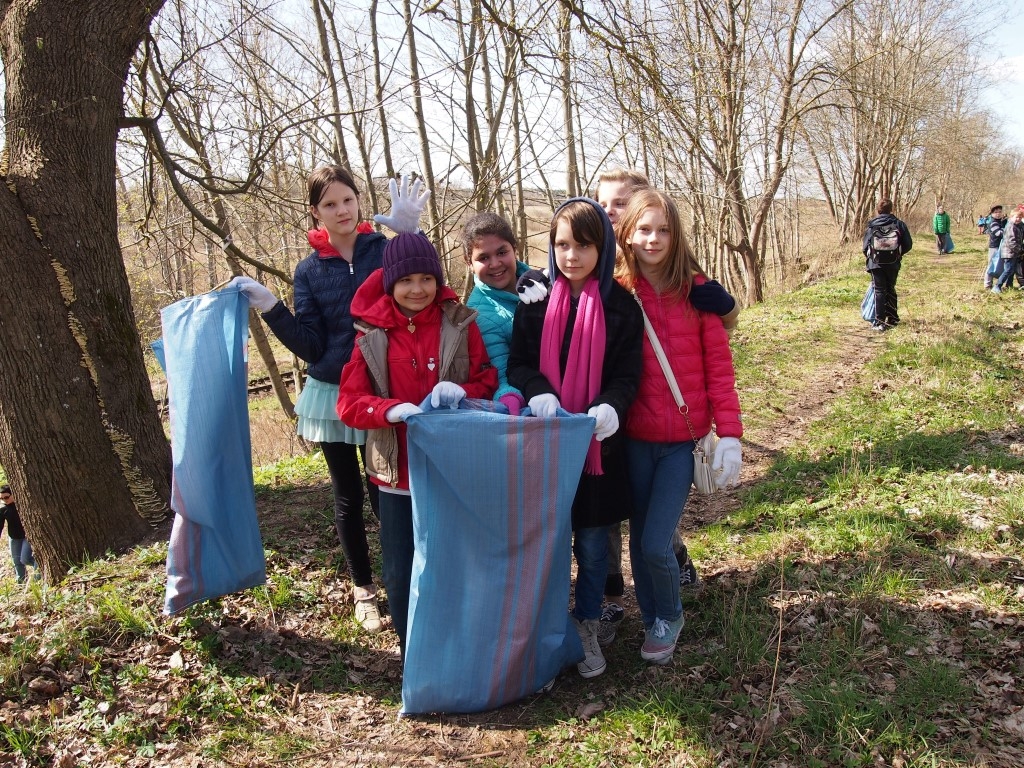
[
  {"x": 940, "y": 226},
  {"x": 886, "y": 239}
]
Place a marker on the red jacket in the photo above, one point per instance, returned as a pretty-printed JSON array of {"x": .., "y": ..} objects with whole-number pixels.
[
  {"x": 697, "y": 347},
  {"x": 413, "y": 361}
]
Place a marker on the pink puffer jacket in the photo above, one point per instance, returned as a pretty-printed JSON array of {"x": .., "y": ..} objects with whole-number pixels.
[{"x": 697, "y": 347}]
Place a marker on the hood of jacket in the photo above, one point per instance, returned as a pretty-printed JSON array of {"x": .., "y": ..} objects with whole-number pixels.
[
  {"x": 882, "y": 220},
  {"x": 373, "y": 306},
  {"x": 605, "y": 270}
]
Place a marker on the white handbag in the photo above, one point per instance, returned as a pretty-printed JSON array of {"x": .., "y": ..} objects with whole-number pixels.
[{"x": 704, "y": 448}]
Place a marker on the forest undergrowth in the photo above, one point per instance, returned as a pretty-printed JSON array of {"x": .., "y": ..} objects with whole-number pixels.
[{"x": 863, "y": 600}]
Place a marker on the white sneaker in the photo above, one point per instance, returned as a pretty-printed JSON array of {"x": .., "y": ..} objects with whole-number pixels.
[
  {"x": 593, "y": 663},
  {"x": 367, "y": 612}
]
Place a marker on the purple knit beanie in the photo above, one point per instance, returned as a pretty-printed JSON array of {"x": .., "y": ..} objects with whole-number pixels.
[{"x": 407, "y": 254}]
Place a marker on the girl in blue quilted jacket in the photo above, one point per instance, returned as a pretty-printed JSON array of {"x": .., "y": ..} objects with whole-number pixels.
[{"x": 346, "y": 251}]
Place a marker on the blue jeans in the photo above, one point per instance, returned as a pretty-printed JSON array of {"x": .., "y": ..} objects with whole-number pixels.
[
  {"x": 397, "y": 547},
  {"x": 590, "y": 545},
  {"x": 1009, "y": 270},
  {"x": 660, "y": 475},
  {"x": 21, "y": 555},
  {"x": 993, "y": 269}
]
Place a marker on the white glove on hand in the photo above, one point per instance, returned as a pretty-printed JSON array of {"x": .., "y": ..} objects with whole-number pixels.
[
  {"x": 728, "y": 460},
  {"x": 446, "y": 393},
  {"x": 544, "y": 406},
  {"x": 533, "y": 286},
  {"x": 607, "y": 421},
  {"x": 406, "y": 206},
  {"x": 260, "y": 297},
  {"x": 401, "y": 412}
]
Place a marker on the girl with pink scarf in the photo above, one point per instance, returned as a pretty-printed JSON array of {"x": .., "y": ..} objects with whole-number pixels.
[{"x": 580, "y": 350}]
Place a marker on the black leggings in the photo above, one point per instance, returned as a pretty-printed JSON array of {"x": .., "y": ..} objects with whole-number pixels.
[{"x": 347, "y": 484}]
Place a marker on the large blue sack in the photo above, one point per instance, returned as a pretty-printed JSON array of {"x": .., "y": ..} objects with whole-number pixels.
[
  {"x": 215, "y": 545},
  {"x": 867, "y": 305},
  {"x": 492, "y": 517}
]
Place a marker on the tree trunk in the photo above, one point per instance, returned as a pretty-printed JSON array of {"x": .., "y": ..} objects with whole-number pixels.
[{"x": 80, "y": 438}]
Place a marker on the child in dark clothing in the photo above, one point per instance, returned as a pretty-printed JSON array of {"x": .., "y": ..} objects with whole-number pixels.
[{"x": 580, "y": 349}]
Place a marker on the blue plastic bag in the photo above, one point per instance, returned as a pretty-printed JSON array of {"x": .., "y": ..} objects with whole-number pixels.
[
  {"x": 492, "y": 518},
  {"x": 867, "y": 305},
  {"x": 948, "y": 247},
  {"x": 215, "y": 545}
]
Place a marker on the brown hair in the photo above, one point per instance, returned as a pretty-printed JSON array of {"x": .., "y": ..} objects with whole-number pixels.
[
  {"x": 481, "y": 225},
  {"x": 635, "y": 179},
  {"x": 585, "y": 222},
  {"x": 675, "y": 273},
  {"x": 321, "y": 179},
  {"x": 885, "y": 206}
]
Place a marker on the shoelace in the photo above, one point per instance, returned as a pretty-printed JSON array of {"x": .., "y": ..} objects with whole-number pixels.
[
  {"x": 660, "y": 628},
  {"x": 609, "y": 612}
]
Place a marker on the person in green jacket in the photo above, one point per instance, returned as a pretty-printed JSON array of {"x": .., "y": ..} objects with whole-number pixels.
[{"x": 940, "y": 226}]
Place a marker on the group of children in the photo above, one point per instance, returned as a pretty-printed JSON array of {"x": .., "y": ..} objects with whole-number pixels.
[
  {"x": 381, "y": 332},
  {"x": 1005, "y": 248}
]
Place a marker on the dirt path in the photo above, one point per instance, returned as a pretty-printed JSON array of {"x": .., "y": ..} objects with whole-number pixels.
[{"x": 808, "y": 404}]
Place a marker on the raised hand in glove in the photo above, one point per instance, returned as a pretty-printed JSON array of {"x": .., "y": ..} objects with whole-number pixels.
[
  {"x": 607, "y": 421},
  {"x": 728, "y": 460},
  {"x": 260, "y": 297},
  {"x": 407, "y": 205},
  {"x": 401, "y": 412},
  {"x": 446, "y": 393},
  {"x": 533, "y": 286},
  {"x": 544, "y": 406}
]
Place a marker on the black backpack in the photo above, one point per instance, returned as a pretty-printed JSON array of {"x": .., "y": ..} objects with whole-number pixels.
[{"x": 884, "y": 243}]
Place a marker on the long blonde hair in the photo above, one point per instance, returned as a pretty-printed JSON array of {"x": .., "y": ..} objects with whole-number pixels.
[{"x": 675, "y": 274}]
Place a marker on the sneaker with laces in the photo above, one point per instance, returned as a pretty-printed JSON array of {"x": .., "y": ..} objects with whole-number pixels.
[
  {"x": 660, "y": 640},
  {"x": 368, "y": 614},
  {"x": 688, "y": 576},
  {"x": 593, "y": 663},
  {"x": 611, "y": 615}
]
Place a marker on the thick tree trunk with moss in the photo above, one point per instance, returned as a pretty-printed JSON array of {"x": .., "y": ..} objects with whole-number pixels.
[{"x": 80, "y": 438}]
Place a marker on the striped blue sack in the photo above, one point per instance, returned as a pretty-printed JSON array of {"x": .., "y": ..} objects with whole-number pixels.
[
  {"x": 492, "y": 516},
  {"x": 215, "y": 545},
  {"x": 867, "y": 304}
]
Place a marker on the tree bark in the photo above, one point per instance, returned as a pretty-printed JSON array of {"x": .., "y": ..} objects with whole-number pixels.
[{"x": 80, "y": 437}]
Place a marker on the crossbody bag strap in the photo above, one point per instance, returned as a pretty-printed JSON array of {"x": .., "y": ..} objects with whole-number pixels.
[{"x": 659, "y": 352}]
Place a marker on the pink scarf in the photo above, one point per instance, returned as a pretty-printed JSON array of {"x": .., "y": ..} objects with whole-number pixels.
[
  {"x": 584, "y": 366},
  {"x": 320, "y": 240}
]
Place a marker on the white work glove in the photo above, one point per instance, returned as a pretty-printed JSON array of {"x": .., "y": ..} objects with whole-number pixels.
[
  {"x": 260, "y": 297},
  {"x": 544, "y": 406},
  {"x": 446, "y": 393},
  {"x": 607, "y": 421},
  {"x": 728, "y": 460},
  {"x": 533, "y": 286},
  {"x": 401, "y": 412},
  {"x": 406, "y": 206}
]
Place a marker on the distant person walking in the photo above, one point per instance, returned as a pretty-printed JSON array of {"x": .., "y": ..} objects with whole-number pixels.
[
  {"x": 940, "y": 226},
  {"x": 995, "y": 227},
  {"x": 21, "y": 550},
  {"x": 1013, "y": 246},
  {"x": 886, "y": 239}
]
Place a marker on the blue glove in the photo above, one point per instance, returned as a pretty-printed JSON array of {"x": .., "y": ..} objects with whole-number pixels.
[
  {"x": 446, "y": 393},
  {"x": 406, "y": 206},
  {"x": 711, "y": 297},
  {"x": 533, "y": 286},
  {"x": 260, "y": 297},
  {"x": 544, "y": 406}
]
